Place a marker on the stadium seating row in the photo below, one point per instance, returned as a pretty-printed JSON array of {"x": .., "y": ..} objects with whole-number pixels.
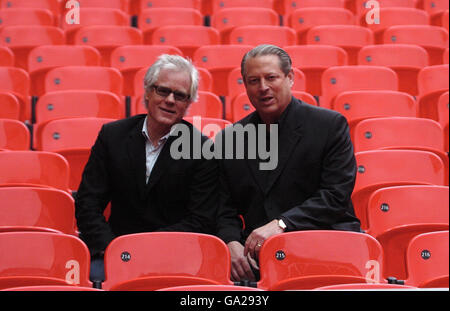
[
  {"x": 208, "y": 7},
  {"x": 296, "y": 260},
  {"x": 188, "y": 38},
  {"x": 323, "y": 80}
]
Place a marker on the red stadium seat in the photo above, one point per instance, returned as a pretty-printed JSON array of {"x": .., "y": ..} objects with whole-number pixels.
[
  {"x": 175, "y": 35},
  {"x": 153, "y": 4},
  {"x": 313, "y": 60},
  {"x": 46, "y": 57},
  {"x": 9, "y": 106},
  {"x": 34, "y": 168},
  {"x": 22, "y": 39},
  {"x": 220, "y": 60},
  {"x": 84, "y": 78},
  {"x": 401, "y": 133},
  {"x": 132, "y": 264},
  {"x": 129, "y": 59},
  {"x": 92, "y": 16},
  {"x": 309, "y": 259},
  {"x": 338, "y": 79},
  {"x": 106, "y": 38},
  {"x": 360, "y": 9},
  {"x": 26, "y": 16},
  {"x": 427, "y": 260},
  {"x": 349, "y": 37},
  {"x": 396, "y": 214},
  {"x": 43, "y": 258},
  {"x": 209, "y": 288},
  {"x": 150, "y": 19},
  {"x": 52, "y": 288},
  {"x": 217, "y": 5},
  {"x": 73, "y": 139},
  {"x": 51, "y": 5},
  {"x": 359, "y": 105},
  {"x": 443, "y": 117},
  {"x": 263, "y": 34},
  {"x": 286, "y": 7},
  {"x": 225, "y": 20},
  {"x": 366, "y": 286},
  {"x": 6, "y": 57},
  {"x": 432, "y": 83},
  {"x": 434, "y": 39},
  {"x": 17, "y": 82},
  {"x": 36, "y": 209},
  {"x": 208, "y": 105},
  {"x": 114, "y": 4},
  {"x": 301, "y": 20},
  {"x": 435, "y": 6},
  {"x": 394, "y": 16},
  {"x": 78, "y": 103},
  {"x": 405, "y": 59},
  {"x": 14, "y": 135},
  {"x": 385, "y": 168},
  {"x": 208, "y": 126}
]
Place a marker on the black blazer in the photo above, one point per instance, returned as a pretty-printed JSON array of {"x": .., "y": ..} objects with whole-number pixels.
[
  {"x": 309, "y": 189},
  {"x": 181, "y": 195}
]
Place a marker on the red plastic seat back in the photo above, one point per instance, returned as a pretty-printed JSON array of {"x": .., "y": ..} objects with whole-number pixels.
[
  {"x": 175, "y": 35},
  {"x": 396, "y": 207},
  {"x": 9, "y": 106},
  {"x": 27, "y": 257},
  {"x": 14, "y": 135},
  {"x": 178, "y": 254},
  {"x": 17, "y": 82},
  {"x": 349, "y": 37},
  {"x": 427, "y": 260},
  {"x": 432, "y": 38},
  {"x": 84, "y": 78},
  {"x": 338, "y": 79},
  {"x": 360, "y": 105},
  {"x": 263, "y": 34},
  {"x": 22, "y": 39},
  {"x": 70, "y": 133},
  {"x": 319, "y": 257},
  {"x": 385, "y": 168},
  {"x": 34, "y": 168},
  {"x": 30, "y": 208},
  {"x": 208, "y": 105},
  {"x": 78, "y": 103}
]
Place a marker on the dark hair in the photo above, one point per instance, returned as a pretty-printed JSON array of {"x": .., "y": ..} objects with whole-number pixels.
[{"x": 268, "y": 49}]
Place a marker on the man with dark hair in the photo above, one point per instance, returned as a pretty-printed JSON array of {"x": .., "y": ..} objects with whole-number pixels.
[{"x": 310, "y": 187}]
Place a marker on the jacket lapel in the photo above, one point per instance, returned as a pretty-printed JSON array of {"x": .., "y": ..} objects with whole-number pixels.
[
  {"x": 288, "y": 138},
  {"x": 136, "y": 155},
  {"x": 161, "y": 165}
]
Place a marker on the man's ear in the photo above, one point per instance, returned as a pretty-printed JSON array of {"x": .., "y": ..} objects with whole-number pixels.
[{"x": 290, "y": 76}]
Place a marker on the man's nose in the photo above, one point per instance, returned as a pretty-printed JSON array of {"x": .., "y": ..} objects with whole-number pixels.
[
  {"x": 170, "y": 98},
  {"x": 263, "y": 86}
]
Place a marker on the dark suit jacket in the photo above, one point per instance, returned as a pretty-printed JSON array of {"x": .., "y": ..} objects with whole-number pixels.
[
  {"x": 309, "y": 189},
  {"x": 181, "y": 195}
]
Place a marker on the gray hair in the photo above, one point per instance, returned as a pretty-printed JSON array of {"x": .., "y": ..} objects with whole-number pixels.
[
  {"x": 268, "y": 49},
  {"x": 174, "y": 62}
]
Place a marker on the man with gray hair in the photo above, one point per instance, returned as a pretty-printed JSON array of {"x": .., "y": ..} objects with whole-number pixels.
[
  {"x": 131, "y": 168},
  {"x": 309, "y": 189}
]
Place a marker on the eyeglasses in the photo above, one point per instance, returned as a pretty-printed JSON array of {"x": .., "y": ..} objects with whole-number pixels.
[{"x": 165, "y": 92}]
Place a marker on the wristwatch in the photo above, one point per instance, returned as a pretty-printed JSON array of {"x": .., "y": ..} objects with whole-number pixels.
[{"x": 282, "y": 225}]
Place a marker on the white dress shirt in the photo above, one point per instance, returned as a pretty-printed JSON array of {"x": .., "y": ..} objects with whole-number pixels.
[{"x": 151, "y": 152}]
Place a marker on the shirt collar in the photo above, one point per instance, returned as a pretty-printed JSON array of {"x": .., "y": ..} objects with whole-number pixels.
[{"x": 145, "y": 133}]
